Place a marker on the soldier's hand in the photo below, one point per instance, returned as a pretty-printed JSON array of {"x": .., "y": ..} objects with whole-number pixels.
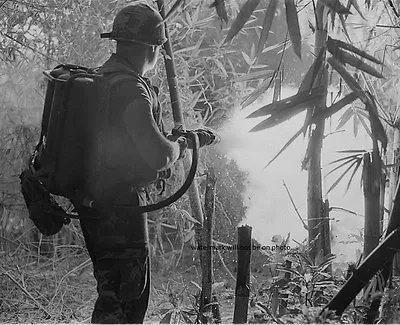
[
  {"x": 183, "y": 145},
  {"x": 206, "y": 137}
]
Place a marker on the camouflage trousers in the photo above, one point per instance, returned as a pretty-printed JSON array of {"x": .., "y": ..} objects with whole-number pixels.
[{"x": 117, "y": 244}]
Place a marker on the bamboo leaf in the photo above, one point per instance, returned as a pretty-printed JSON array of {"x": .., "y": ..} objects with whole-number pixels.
[
  {"x": 362, "y": 112},
  {"x": 344, "y": 26},
  {"x": 268, "y": 18},
  {"x": 361, "y": 119},
  {"x": 221, "y": 67},
  {"x": 343, "y": 209},
  {"x": 254, "y": 75},
  {"x": 186, "y": 49},
  {"x": 328, "y": 259},
  {"x": 293, "y": 26},
  {"x": 349, "y": 160},
  {"x": 167, "y": 318},
  {"x": 258, "y": 91},
  {"x": 333, "y": 16},
  {"x": 221, "y": 10},
  {"x": 253, "y": 52},
  {"x": 334, "y": 43},
  {"x": 287, "y": 144},
  {"x": 336, "y": 6},
  {"x": 298, "y": 101},
  {"x": 278, "y": 87},
  {"x": 356, "y": 122},
  {"x": 186, "y": 318},
  {"x": 188, "y": 216},
  {"x": 354, "y": 61},
  {"x": 354, "y": 172},
  {"x": 188, "y": 236},
  {"x": 354, "y": 3},
  {"x": 275, "y": 46},
  {"x": 248, "y": 60},
  {"x": 188, "y": 19},
  {"x": 276, "y": 119},
  {"x": 334, "y": 108},
  {"x": 352, "y": 150},
  {"x": 196, "y": 50},
  {"x": 241, "y": 19},
  {"x": 345, "y": 158},
  {"x": 174, "y": 8},
  {"x": 341, "y": 177},
  {"x": 311, "y": 75},
  {"x": 345, "y": 117},
  {"x": 195, "y": 98},
  {"x": 351, "y": 82}
]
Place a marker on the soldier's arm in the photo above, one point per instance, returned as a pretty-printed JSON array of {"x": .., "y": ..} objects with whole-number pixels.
[{"x": 155, "y": 149}]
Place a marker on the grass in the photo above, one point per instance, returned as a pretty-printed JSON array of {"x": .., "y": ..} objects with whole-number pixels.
[{"x": 61, "y": 288}]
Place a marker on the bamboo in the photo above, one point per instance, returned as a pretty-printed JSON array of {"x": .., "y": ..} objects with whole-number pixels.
[
  {"x": 284, "y": 296},
  {"x": 215, "y": 310},
  {"x": 207, "y": 267},
  {"x": 193, "y": 191},
  {"x": 326, "y": 233},
  {"x": 242, "y": 291},
  {"x": 194, "y": 196},
  {"x": 393, "y": 179},
  {"x": 314, "y": 192},
  {"x": 379, "y": 258},
  {"x": 371, "y": 188}
]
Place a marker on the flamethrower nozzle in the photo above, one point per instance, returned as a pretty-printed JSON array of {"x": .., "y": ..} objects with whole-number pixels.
[{"x": 206, "y": 136}]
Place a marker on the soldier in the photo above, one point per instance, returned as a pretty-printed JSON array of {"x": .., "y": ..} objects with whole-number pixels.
[{"x": 138, "y": 149}]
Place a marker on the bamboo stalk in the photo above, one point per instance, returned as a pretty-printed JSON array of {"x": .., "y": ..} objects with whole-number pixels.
[
  {"x": 207, "y": 267},
  {"x": 193, "y": 191},
  {"x": 393, "y": 179},
  {"x": 326, "y": 232},
  {"x": 314, "y": 192},
  {"x": 242, "y": 291},
  {"x": 284, "y": 296},
  {"x": 194, "y": 196},
  {"x": 379, "y": 258},
  {"x": 371, "y": 205}
]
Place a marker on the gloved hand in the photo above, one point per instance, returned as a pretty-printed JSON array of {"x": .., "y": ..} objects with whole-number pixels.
[
  {"x": 182, "y": 141},
  {"x": 206, "y": 136},
  {"x": 183, "y": 145}
]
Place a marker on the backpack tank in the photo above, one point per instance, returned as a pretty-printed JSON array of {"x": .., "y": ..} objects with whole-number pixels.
[{"x": 72, "y": 119}]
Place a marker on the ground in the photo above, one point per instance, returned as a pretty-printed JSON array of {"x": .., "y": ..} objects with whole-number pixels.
[{"x": 61, "y": 289}]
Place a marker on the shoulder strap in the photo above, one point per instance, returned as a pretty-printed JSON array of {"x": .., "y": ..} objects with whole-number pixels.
[{"x": 122, "y": 76}]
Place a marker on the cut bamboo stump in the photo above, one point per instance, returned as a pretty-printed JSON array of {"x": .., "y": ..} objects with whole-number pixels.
[
  {"x": 207, "y": 234},
  {"x": 242, "y": 291},
  {"x": 284, "y": 296}
]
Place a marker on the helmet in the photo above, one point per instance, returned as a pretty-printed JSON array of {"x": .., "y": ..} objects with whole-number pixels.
[{"x": 138, "y": 23}]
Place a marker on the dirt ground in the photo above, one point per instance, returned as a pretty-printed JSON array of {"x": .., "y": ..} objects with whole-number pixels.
[{"x": 61, "y": 289}]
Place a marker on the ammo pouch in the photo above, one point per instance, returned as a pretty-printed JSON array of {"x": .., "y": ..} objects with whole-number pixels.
[{"x": 43, "y": 210}]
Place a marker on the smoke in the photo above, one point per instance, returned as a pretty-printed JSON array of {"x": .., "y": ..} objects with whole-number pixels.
[{"x": 269, "y": 208}]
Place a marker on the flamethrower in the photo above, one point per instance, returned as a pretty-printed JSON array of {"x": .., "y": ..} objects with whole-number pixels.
[{"x": 206, "y": 136}]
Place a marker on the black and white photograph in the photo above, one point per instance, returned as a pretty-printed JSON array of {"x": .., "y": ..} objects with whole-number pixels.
[{"x": 199, "y": 161}]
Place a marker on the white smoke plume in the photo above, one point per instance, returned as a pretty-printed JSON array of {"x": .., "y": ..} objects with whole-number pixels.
[{"x": 269, "y": 209}]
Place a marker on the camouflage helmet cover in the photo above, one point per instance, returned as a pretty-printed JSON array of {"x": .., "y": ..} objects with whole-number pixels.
[{"x": 138, "y": 23}]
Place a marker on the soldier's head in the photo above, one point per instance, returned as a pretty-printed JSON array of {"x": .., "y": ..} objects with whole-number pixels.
[{"x": 138, "y": 28}]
